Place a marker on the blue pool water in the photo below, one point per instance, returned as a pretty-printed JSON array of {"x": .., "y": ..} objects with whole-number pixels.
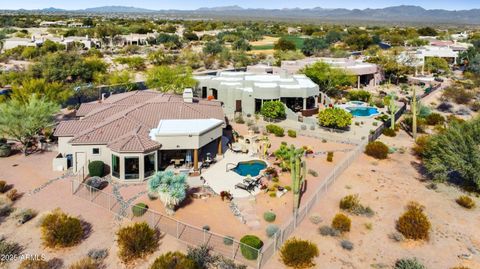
[
  {"x": 363, "y": 111},
  {"x": 251, "y": 168}
]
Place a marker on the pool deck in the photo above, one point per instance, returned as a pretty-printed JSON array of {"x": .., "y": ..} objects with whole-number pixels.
[{"x": 220, "y": 179}]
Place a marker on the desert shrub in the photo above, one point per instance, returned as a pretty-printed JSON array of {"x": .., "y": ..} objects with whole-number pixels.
[
  {"x": 272, "y": 194},
  {"x": 85, "y": 263},
  {"x": 3, "y": 186},
  {"x": 202, "y": 256},
  {"x": 8, "y": 249},
  {"x": 25, "y": 215},
  {"x": 359, "y": 95},
  {"x": 408, "y": 121},
  {"x": 228, "y": 240},
  {"x": 276, "y": 130},
  {"x": 458, "y": 94},
  {"x": 389, "y": 132},
  {"x": 445, "y": 107},
  {"x": 414, "y": 224},
  {"x": 273, "y": 110},
  {"x": 34, "y": 264},
  {"x": 5, "y": 209},
  {"x": 61, "y": 230},
  {"x": 328, "y": 231},
  {"x": 349, "y": 202},
  {"x": 269, "y": 216},
  {"x": 312, "y": 172},
  {"x": 136, "y": 241},
  {"x": 330, "y": 156},
  {"x": 315, "y": 219},
  {"x": 334, "y": 118},
  {"x": 341, "y": 223},
  {"x": 251, "y": 246},
  {"x": 346, "y": 245},
  {"x": 225, "y": 263},
  {"x": 450, "y": 155},
  {"x": 420, "y": 145},
  {"x": 377, "y": 150},
  {"x": 434, "y": 119},
  {"x": 465, "y": 201},
  {"x": 288, "y": 188},
  {"x": 292, "y": 133},
  {"x": 173, "y": 260},
  {"x": 271, "y": 230},
  {"x": 139, "y": 209},
  {"x": 97, "y": 254},
  {"x": 398, "y": 237},
  {"x": 13, "y": 195},
  {"x": 298, "y": 253},
  {"x": 475, "y": 106},
  {"x": 408, "y": 264},
  {"x": 96, "y": 168},
  {"x": 239, "y": 119}
]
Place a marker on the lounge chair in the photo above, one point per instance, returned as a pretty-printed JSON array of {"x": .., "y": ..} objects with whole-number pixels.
[{"x": 245, "y": 187}]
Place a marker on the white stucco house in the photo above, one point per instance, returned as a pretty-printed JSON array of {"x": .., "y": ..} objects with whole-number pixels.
[
  {"x": 245, "y": 92},
  {"x": 138, "y": 133}
]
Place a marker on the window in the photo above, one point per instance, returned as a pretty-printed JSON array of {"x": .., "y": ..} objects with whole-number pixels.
[
  {"x": 115, "y": 166},
  {"x": 95, "y": 151},
  {"x": 132, "y": 168},
  {"x": 149, "y": 164}
]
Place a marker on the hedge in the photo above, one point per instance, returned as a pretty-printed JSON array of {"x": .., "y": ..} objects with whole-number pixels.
[{"x": 250, "y": 253}]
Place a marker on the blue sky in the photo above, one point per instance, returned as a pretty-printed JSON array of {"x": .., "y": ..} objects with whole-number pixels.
[{"x": 193, "y": 4}]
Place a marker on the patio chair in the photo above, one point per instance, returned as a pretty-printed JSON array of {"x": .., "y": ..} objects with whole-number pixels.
[
  {"x": 244, "y": 187},
  {"x": 177, "y": 163}
]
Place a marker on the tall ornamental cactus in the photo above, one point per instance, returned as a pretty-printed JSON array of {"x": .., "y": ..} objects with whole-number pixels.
[
  {"x": 392, "y": 108},
  {"x": 414, "y": 113},
  {"x": 298, "y": 173}
]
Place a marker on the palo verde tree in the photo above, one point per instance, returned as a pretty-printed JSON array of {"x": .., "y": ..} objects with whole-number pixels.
[
  {"x": 22, "y": 121},
  {"x": 329, "y": 79},
  {"x": 170, "y": 78}
]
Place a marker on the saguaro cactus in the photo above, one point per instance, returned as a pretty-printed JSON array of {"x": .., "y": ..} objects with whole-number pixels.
[
  {"x": 298, "y": 173},
  {"x": 413, "y": 107},
  {"x": 392, "y": 108}
]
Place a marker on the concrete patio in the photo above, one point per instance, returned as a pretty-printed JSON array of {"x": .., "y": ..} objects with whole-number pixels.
[{"x": 220, "y": 179}]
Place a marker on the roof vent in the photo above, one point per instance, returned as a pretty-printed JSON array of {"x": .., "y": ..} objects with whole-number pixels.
[{"x": 188, "y": 95}]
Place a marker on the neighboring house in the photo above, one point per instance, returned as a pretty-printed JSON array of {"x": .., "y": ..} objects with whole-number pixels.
[
  {"x": 87, "y": 42},
  {"x": 140, "y": 132},
  {"x": 246, "y": 92},
  {"x": 367, "y": 74},
  {"x": 416, "y": 58}
]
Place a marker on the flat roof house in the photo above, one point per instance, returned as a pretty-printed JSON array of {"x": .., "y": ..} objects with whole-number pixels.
[
  {"x": 138, "y": 133},
  {"x": 367, "y": 73},
  {"x": 245, "y": 92}
]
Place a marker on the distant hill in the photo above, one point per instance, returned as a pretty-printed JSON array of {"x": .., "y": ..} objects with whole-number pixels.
[
  {"x": 116, "y": 9},
  {"x": 405, "y": 13}
]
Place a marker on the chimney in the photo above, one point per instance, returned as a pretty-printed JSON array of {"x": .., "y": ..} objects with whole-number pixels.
[
  {"x": 283, "y": 73},
  {"x": 188, "y": 95}
]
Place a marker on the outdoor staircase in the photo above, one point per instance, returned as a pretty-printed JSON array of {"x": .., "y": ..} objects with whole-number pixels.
[{"x": 244, "y": 209}]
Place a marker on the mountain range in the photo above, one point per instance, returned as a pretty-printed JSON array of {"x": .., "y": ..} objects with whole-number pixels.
[{"x": 386, "y": 15}]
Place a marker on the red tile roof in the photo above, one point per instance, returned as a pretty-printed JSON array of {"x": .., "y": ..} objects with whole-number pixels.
[{"x": 123, "y": 121}]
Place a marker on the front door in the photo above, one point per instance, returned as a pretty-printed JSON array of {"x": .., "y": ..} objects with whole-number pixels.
[
  {"x": 238, "y": 106},
  {"x": 80, "y": 161}
]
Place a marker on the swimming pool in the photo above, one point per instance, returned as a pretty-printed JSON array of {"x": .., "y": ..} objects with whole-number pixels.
[
  {"x": 251, "y": 168},
  {"x": 363, "y": 111}
]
